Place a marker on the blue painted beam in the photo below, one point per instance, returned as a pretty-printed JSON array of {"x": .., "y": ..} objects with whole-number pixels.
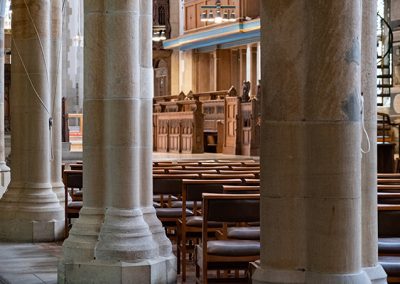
[{"x": 217, "y": 35}]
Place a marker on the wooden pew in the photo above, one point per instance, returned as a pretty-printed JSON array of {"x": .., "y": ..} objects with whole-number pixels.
[{"x": 227, "y": 254}]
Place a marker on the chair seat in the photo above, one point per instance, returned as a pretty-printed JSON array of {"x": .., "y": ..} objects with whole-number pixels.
[
  {"x": 389, "y": 245},
  {"x": 391, "y": 264},
  {"x": 244, "y": 233},
  {"x": 197, "y": 221},
  {"x": 75, "y": 205},
  {"x": 157, "y": 198},
  {"x": 189, "y": 204},
  {"x": 171, "y": 212},
  {"x": 77, "y": 195},
  {"x": 233, "y": 247}
]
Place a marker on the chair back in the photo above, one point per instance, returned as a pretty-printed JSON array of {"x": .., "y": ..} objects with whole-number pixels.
[
  {"x": 388, "y": 222},
  {"x": 231, "y": 207},
  {"x": 192, "y": 190},
  {"x": 73, "y": 178}
]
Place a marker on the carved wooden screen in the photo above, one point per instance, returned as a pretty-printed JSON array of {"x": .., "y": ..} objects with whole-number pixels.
[
  {"x": 231, "y": 111},
  {"x": 162, "y": 136},
  {"x": 244, "y": 128}
]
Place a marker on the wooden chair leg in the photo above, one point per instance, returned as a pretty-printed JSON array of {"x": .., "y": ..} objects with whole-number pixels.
[
  {"x": 183, "y": 259},
  {"x": 66, "y": 229},
  {"x": 204, "y": 273},
  {"x": 178, "y": 251}
]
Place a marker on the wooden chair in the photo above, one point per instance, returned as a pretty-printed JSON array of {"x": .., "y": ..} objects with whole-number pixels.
[
  {"x": 388, "y": 175},
  {"x": 227, "y": 176},
  {"x": 388, "y": 187},
  {"x": 169, "y": 188},
  {"x": 255, "y": 173},
  {"x": 238, "y": 189},
  {"x": 220, "y": 167},
  {"x": 382, "y": 181},
  {"x": 227, "y": 254},
  {"x": 388, "y": 197},
  {"x": 72, "y": 181},
  {"x": 389, "y": 240},
  {"x": 78, "y": 167},
  {"x": 245, "y": 168},
  {"x": 194, "y": 171},
  {"x": 190, "y": 227}
]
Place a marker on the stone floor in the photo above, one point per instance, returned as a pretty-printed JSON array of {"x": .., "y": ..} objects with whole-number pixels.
[
  {"x": 29, "y": 263},
  {"x": 37, "y": 264}
]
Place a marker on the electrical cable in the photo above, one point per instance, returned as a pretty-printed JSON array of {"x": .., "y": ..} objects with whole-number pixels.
[{"x": 363, "y": 127}]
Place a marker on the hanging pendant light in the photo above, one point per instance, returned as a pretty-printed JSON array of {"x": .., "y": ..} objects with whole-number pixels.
[{"x": 223, "y": 13}]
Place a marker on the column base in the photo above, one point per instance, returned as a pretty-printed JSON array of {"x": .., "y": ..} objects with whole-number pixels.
[
  {"x": 83, "y": 236},
  {"x": 31, "y": 214},
  {"x": 356, "y": 278},
  {"x": 31, "y": 231},
  {"x": 270, "y": 276},
  {"x": 5, "y": 177},
  {"x": 158, "y": 231},
  {"x": 160, "y": 270},
  {"x": 125, "y": 236},
  {"x": 58, "y": 189},
  {"x": 376, "y": 274}
]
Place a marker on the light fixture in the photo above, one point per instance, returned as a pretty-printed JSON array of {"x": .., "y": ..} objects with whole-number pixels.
[
  {"x": 203, "y": 17},
  {"x": 159, "y": 33},
  {"x": 223, "y": 13}
]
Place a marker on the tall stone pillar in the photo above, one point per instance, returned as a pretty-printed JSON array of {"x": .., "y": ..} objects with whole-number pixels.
[
  {"x": 55, "y": 75},
  {"x": 4, "y": 169},
  {"x": 118, "y": 37},
  {"x": 80, "y": 245},
  {"x": 369, "y": 227},
  {"x": 311, "y": 141},
  {"x": 30, "y": 210},
  {"x": 145, "y": 100},
  {"x": 248, "y": 62}
]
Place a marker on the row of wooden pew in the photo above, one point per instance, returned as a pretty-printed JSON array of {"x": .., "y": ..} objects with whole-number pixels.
[
  {"x": 211, "y": 209},
  {"x": 202, "y": 206},
  {"x": 389, "y": 225},
  {"x": 184, "y": 192}
]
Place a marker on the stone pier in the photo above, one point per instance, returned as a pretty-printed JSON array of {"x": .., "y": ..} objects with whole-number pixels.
[
  {"x": 311, "y": 143},
  {"x": 30, "y": 210},
  {"x": 369, "y": 225},
  {"x": 131, "y": 247}
]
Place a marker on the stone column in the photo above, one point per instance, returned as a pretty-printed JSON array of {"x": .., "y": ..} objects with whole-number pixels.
[
  {"x": 311, "y": 140},
  {"x": 30, "y": 210},
  {"x": 4, "y": 169},
  {"x": 116, "y": 33},
  {"x": 146, "y": 137},
  {"x": 83, "y": 236},
  {"x": 55, "y": 75},
  {"x": 369, "y": 227},
  {"x": 249, "y": 66}
]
